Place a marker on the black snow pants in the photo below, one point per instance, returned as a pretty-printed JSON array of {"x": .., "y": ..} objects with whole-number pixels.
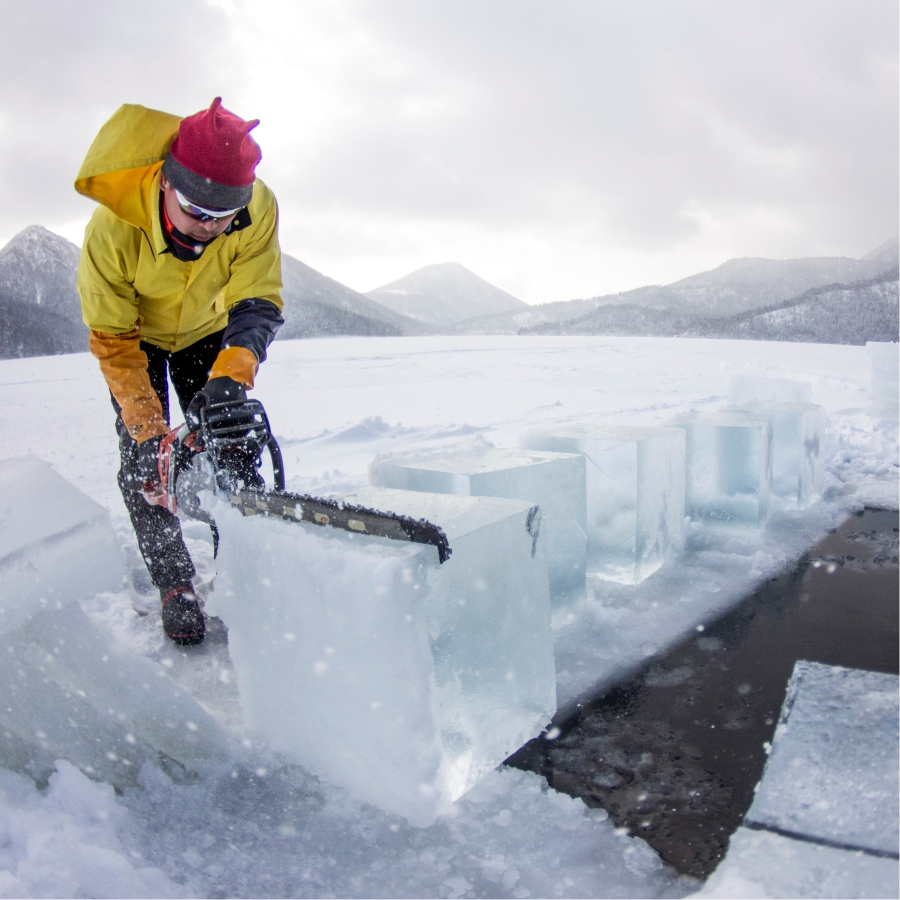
[{"x": 158, "y": 531}]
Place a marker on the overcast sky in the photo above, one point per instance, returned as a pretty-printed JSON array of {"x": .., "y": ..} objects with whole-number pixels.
[{"x": 558, "y": 149}]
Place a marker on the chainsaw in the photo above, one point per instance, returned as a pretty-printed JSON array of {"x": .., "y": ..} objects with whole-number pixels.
[{"x": 225, "y": 453}]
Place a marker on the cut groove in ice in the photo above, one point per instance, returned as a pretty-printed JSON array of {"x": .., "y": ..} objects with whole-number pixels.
[
  {"x": 635, "y": 494},
  {"x": 379, "y": 669}
]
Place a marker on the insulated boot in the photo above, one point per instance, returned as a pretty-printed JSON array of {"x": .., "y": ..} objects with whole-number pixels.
[{"x": 182, "y": 617}]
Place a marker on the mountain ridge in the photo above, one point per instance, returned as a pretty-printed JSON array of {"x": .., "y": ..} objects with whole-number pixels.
[
  {"x": 735, "y": 286},
  {"x": 442, "y": 294},
  {"x": 40, "y": 313},
  {"x": 836, "y": 313}
]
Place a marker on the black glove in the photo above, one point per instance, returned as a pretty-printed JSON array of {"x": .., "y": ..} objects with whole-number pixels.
[
  {"x": 147, "y": 460},
  {"x": 217, "y": 390}
]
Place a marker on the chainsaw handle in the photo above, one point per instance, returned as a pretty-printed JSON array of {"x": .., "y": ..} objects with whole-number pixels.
[{"x": 277, "y": 462}]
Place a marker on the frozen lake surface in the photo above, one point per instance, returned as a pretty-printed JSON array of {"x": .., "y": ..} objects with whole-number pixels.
[{"x": 255, "y": 825}]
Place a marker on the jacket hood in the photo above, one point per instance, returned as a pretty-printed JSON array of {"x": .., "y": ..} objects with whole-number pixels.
[{"x": 124, "y": 160}]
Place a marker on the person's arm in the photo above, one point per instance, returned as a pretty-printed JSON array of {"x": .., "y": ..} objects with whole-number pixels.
[
  {"x": 124, "y": 366},
  {"x": 252, "y": 326},
  {"x": 253, "y": 299},
  {"x": 253, "y": 295},
  {"x": 109, "y": 307}
]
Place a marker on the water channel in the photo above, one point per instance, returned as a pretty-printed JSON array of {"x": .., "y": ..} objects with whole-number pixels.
[{"x": 673, "y": 754}]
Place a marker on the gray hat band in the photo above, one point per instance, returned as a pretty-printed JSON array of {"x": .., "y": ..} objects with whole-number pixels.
[{"x": 203, "y": 191}]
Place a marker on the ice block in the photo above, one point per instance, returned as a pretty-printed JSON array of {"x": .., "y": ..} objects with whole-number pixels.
[
  {"x": 635, "y": 494},
  {"x": 884, "y": 384},
  {"x": 729, "y": 466},
  {"x": 56, "y": 543},
  {"x": 823, "y": 822},
  {"x": 70, "y": 693},
  {"x": 757, "y": 389},
  {"x": 833, "y": 771},
  {"x": 376, "y": 667},
  {"x": 766, "y": 864},
  {"x": 798, "y": 465},
  {"x": 554, "y": 481}
]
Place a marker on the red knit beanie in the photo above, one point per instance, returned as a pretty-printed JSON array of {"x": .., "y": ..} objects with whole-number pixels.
[{"x": 212, "y": 161}]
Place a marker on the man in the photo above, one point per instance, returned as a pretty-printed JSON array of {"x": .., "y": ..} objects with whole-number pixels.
[{"x": 180, "y": 276}]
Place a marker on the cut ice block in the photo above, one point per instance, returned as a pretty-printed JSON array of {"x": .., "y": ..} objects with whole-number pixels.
[
  {"x": 798, "y": 466},
  {"x": 823, "y": 822},
  {"x": 68, "y": 693},
  {"x": 765, "y": 864},
  {"x": 635, "y": 494},
  {"x": 554, "y": 481},
  {"x": 56, "y": 544},
  {"x": 832, "y": 774},
  {"x": 729, "y": 466},
  {"x": 376, "y": 667},
  {"x": 884, "y": 386},
  {"x": 753, "y": 388}
]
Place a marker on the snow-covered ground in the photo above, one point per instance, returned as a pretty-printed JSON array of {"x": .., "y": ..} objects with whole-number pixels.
[{"x": 256, "y": 826}]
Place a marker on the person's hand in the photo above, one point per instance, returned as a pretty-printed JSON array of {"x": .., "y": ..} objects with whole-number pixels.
[
  {"x": 147, "y": 461},
  {"x": 217, "y": 390}
]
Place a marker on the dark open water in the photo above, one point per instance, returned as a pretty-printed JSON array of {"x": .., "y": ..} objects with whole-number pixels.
[{"x": 673, "y": 755}]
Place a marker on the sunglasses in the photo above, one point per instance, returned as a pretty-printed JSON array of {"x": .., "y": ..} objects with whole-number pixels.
[{"x": 201, "y": 214}]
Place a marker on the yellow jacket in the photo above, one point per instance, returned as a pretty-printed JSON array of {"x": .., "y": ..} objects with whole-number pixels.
[{"x": 131, "y": 290}]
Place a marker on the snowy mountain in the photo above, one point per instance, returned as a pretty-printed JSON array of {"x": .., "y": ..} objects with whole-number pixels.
[
  {"x": 39, "y": 267},
  {"x": 834, "y": 314},
  {"x": 740, "y": 285},
  {"x": 735, "y": 287},
  {"x": 39, "y": 306},
  {"x": 888, "y": 253},
  {"x": 319, "y": 306},
  {"x": 444, "y": 294},
  {"x": 40, "y": 310}
]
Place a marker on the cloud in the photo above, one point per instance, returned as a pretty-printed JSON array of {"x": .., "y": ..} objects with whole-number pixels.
[
  {"x": 558, "y": 149},
  {"x": 65, "y": 67}
]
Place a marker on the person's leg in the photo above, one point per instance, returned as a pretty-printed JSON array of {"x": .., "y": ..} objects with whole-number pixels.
[{"x": 158, "y": 531}]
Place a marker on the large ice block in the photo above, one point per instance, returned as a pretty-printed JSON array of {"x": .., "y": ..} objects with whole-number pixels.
[
  {"x": 798, "y": 466},
  {"x": 766, "y": 864},
  {"x": 824, "y": 819},
  {"x": 635, "y": 494},
  {"x": 69, "y": 693},
  {"x": 554, "y": 481},
  {"x": 56, "y": 543},
  {"x": 754, "y": 388},
  {"x": 884, "y": 384},
  {"x": 376, "y": 667},
  {"x": 832, "y": 775},
  {"x": 729, "y": 466}
]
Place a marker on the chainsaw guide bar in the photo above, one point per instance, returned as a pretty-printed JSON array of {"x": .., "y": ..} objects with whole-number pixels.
[
  {"x": 224, "y": 454},
  {"x": 355, "y": 519}
]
